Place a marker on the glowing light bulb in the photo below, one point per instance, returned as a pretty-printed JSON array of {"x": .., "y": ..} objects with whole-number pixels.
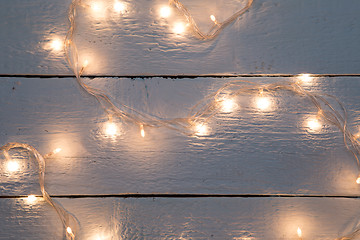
[
  {"x": 179, "y": 28},
  {"x": 299, "y": 232},
  {"x": 86, "y": 63},
  {"x": 96, "y": 6},
  {"x": 56, "y": 45},
  {"x": 313, "y": 124},
  {"x": 111, "y": 129},
  {"x": 142, "y": 131},
  {"x": 69, "y": 230},
  {"x": 213, "y": 18},
  {"x": 263, "y": 103},
  {"x": 228, "y": 105},
  {"x": 12, "y": 166},
  {"x": 165, "y": 12},
  {"x": 358, "y": 180},
  {"x": 31, "y": 199},
  {"x": 119, "y": 7},
  {"x": 357, "y": 135},
  {"x": 57, "y": 150},
  {"x": 201, "y": 129},
  {"x": 305, "y": 78}
]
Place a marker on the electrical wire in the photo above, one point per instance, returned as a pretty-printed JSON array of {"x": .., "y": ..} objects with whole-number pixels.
[{"x": 69, "y": 222}]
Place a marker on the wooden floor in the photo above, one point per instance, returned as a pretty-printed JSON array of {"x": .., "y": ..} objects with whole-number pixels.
[{"x": 256, "y": 175}]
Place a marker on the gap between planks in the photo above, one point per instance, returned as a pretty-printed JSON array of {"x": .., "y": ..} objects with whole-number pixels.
[
  {"x": 187, "y": 195},
  {"x": 175, "y": 76}
]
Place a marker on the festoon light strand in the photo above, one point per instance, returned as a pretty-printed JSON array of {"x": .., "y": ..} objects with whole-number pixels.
[
  {"x": 203, "y": 111},
  {"x": 69, "y": 222},
  {"x": 216, "y": 28},
  {"x": 200, "y": 114}
]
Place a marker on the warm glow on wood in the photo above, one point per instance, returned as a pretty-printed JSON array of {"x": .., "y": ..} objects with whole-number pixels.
[
  {"x": 13, "y": 166},
  {"x": 263, "y": 103},
  {"x": 165, "y": 12},
  {"x": 119, "y": 7},
  {"x": 201, "y": 129},
  {"x": 299, "y": 232},
  {"x": 179, "y": 28}
]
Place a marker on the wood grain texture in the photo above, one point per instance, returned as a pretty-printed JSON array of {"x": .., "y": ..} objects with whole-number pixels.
[
  {"x": 226, "y": 218},
  {"x": 248, "y": 151},
  {"x": 317, "y": 36}
]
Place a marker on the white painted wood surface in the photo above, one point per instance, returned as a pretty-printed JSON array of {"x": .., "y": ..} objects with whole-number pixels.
[
  {"x": 248, "y": 151},
  {"x": 272, "y": 219},
  {"x": 274, "y": 36}
]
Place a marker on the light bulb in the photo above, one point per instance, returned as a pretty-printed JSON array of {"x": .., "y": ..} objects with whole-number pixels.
[
  {"x": 119, "y": 7},
  {"x": 96, "y": 6},
  {"x": 69, "y": 230},
  {"x": 263, "y": 103},
  {"x": 228, "y": 105},
  {"x": 56, "y": 45},
  {"x": 57, "y": 150},
  {"x": 201, "y": 129},
  {"x": 357, "y": 135},
  {"x": 358, "y": 180},
  {"x": 165, "y": 12},
  {"x": 313, "y": 124},
  {"x": 179, "y": 28},
  {"x": 299, "y": 232},
  {"x": 86, "y": 63},
  {"x": 31, "y": 199},
  {"x": 13, "y": 166},
  {"x": 305, "y": 78},
  {"x": 111, "y": 129},
  {"x": 213, "y": 18},
  {"x": 142, "y": 131}
]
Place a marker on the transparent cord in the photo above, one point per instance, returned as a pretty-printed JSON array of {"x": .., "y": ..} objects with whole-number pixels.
[
  {"x": 203, "y": 111},
  {"x": 216, "y": 28},
  {"x": 69, "y": 222}
]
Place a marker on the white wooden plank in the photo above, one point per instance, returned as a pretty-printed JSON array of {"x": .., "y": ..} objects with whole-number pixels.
[
  {"x": 318, "y": 36},
  {"x": 247, "y": 151},
  {"x": 224, "y": 218}
]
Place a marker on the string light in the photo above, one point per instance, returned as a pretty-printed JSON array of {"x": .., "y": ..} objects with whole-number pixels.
[
  {"x": 31, "y": 199},
  {"x": 86, "y": 63},
  {"x": 299, "y": 232},
  {"x": 201, "y": 129},
  {"x": 228, "y": 105},
  {"x": 56, "y": 45},
  {"x": 204, "y": 110},
  {"x": 13, "y": 166},
  {"x": 111, "y": 129},
  {"x": 216, "y": 29},
  {"x": 96, "y": 6},
  {"x": 66, "y": 218},
  {"x": 313, "y": 124},
  {"x": 213, "y": 18},
  {"x": 119, "y": 7},
  {"x": 57, "y": 150},
  {"x": 358, "y": 180},
  {"x": 179, "y": 28},
  {"x": 201, "y": 111},
  {"x": 305, "y": 78},
  {"x": 142, "y": 131},
  {"x": 165, "y": 12},
  {"x": 263, "y": 103}
]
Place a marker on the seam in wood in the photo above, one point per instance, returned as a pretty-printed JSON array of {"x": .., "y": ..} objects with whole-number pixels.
[
  {"x": 187, "y": 195},
  {"x": 175, "y": 76}
]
